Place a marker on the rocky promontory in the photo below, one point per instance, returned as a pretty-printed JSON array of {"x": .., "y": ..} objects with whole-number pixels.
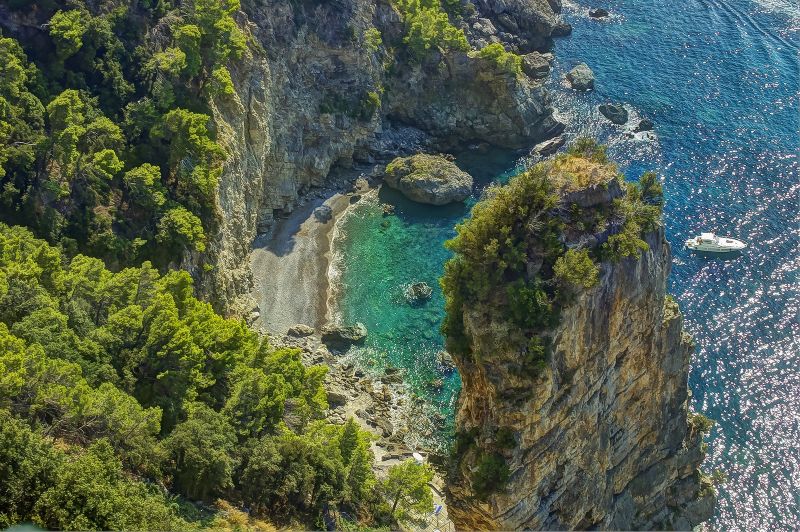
[
  {"x": 574, "y": 408},
  {"x": 431, "y": 179}
]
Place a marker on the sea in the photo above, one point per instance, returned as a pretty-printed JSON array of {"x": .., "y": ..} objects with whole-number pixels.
[{"x": 720, "y": 81}]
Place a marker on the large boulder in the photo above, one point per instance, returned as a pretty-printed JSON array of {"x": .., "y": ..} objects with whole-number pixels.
[
  {"x": 343, "y": 336},
  {"x": 581, "y": 78},
  {"x": 300, "y": 330},
  {"x": 561, "y": 29},
  {"x": 598, "y": 13},
  {"x": 535, "y": 65},
  {"x": 431, "y": 179},
  {"x": 614, "y": 112},
  {"x": 645, "y": 124},
  {"x": 549, "y": 147}
]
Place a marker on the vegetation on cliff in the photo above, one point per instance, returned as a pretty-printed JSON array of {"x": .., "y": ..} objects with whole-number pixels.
[
  {"x": 523, "y": 255},
  {"x": 114, "y": 383},
  {"x": 106, "y": 143}
]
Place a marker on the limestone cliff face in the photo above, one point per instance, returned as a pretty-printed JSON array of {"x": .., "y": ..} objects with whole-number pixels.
[
  {"x": 303, "y": 107},
  {"x": 600, "y": 436}
]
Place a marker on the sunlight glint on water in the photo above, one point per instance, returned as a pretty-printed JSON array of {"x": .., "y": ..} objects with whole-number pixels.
[{"x": 720, "y": 81}]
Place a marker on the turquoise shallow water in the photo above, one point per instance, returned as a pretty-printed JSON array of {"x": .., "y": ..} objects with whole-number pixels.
[{"x": 720, "y": 81}]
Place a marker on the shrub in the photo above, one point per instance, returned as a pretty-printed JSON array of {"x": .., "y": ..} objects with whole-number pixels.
[
  {"x": 490, "y": 476},
  {"x": 373, "y": 39},
  {"x": 700, "y": 422},
  {"x": 575, "y": 269},
  {"x": 369, "y": 104},
  {"x": 652, "y": 192},
  {"x": 505, "y": 438},
  {"x": 507, "y": 62},
  {"x": 428, "y": 27},
  {"x": 529, "y": 305}
]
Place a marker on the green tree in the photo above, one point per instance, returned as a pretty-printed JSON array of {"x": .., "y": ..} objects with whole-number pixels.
[
  {"x": 256, "y": 405},
  {"x": 195, "y": 159},
  {"x": 428, "y": 27},
  {"x": 91, "y": 492},
  {"x": 21, "y": 122},
  {"x": 290, "y": 474},
  {"x": 201, "y": 452},
  {"x": 652, "y": 191},
  {"x": 28, "y": 465},
  {"x": 406, "y": 488},
  {"x": 67, "y": 29},
  {"x": 180, "y": 227},
  {"x": 508, "y": 62},
  {"x": 144, "y": 184}
]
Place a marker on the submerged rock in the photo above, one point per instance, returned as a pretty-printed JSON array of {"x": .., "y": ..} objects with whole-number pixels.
[
  {"x": 418, "y": 292},
  {"x": 645, "y": 124},
  {"x": 343, "y": 336},
  {"x": 598, "y": 13},
  {"x": 614, "y": 112},
  {"x": 431, "y": 179},
  {"x": 581, "y": 78}
]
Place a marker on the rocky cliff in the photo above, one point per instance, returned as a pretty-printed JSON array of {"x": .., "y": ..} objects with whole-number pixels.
[
  {"x": 598, "y": 433},
  {"x": 319, "y": 91}
]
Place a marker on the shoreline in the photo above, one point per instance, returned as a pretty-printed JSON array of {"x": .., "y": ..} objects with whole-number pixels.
[{"x": 291, "y": 264}]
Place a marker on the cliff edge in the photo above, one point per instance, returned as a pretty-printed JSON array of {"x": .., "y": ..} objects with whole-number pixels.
[{"x": 574, "y": 407}]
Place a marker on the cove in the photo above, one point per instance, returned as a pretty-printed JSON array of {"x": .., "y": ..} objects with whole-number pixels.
[{"x": 720, "y": 81}]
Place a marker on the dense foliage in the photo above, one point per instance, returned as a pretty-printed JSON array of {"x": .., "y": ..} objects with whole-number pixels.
[
  {"x": 428, "y": 28},
  {"x": 110, "y": 382},
  {"x": 106, "y": 143}
]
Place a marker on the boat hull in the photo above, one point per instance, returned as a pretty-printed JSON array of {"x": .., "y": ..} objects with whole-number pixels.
[{"x": 729, "y": 246}]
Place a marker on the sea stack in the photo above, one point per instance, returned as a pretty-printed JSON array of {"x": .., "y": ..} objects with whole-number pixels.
[
  {"x": 431, "y": 179},
  {"x": 574, "y": 362}
]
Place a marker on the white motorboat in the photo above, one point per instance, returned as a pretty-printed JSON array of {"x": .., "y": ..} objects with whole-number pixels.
[{"x": 715, "y": 244}]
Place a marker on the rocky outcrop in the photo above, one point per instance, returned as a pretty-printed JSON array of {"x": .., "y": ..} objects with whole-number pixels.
[
  {"x": 521, "y": 25},
  {"x": 341, "y": 337},
  {"x": 535, "y": 65},
  {"x": 598, "y": 436},
  {"x": 581, "y": 78},
  {"x": 313, "y": 96},
  {"x": 431, "y": 179},
  {"x": 459, "y": 98},
  {"x": 645, "y": 124},
  {"x": 598, "y": 13},
  {"x": 617, "y": 114},
  {"x": 548, "y": 147}
]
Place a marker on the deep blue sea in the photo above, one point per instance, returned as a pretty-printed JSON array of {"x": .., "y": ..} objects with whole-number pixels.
[{"x": 720, "y": 81}]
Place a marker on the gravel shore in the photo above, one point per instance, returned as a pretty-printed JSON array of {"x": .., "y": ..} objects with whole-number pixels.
[{"x": 290, "y": 265}]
